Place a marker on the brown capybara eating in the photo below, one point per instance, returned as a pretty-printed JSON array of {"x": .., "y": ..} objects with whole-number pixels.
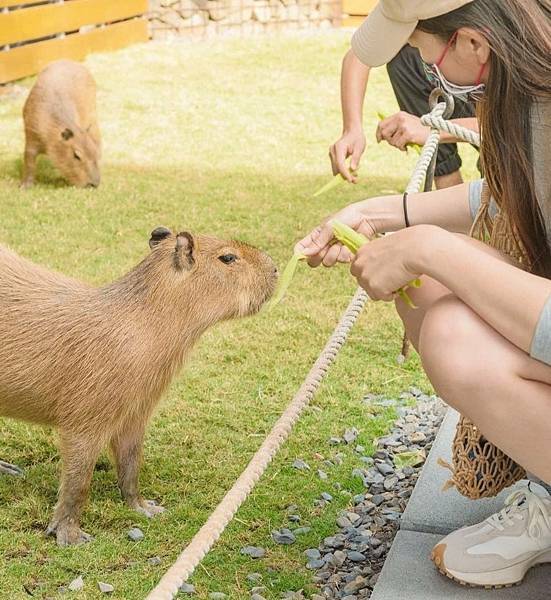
[
  {"x": 94, "y": 362},
  {"x": 60, "y": 121}
]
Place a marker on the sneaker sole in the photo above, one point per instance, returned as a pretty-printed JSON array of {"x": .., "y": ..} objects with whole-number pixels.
[{"x": 504, "y": 578}]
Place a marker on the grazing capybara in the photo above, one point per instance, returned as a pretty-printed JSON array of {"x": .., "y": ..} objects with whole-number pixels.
[
  {"x": 94, "y": 361},
  {"x": 60, "y": 121}
]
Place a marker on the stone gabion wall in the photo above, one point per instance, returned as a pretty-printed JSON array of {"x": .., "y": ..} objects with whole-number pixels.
[{"x": 180, "y": 17}]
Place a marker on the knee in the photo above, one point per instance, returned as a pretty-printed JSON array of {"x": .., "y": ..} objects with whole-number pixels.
[{"x": 446, "y": 348}]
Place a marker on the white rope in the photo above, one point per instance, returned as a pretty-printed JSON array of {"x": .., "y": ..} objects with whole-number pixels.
[{"x": 209, "y": 533}]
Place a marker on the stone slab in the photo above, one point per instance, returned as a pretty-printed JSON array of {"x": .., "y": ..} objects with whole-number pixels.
[
  {"x": 429, "y": 509},
  {"x": 409, "y": 574}
]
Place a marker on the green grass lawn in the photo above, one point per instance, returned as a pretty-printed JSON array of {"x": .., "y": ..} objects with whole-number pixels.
[{"x": 228, "y": 137}]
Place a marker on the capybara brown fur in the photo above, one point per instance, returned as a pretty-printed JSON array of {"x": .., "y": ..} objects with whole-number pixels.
[
  {"x": 60, "y": 121},
  {"x": 94, "y": 361}
]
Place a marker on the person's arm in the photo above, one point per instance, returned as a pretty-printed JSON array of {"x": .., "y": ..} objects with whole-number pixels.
[
  {"x": 354, "y": 78},
  {"x": 452, "y": 209},
  {"x": 515, "y": 303},
  {"x": 402, "y": 129}
]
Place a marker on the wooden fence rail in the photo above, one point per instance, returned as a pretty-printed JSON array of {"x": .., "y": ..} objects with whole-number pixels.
[{"x": 33, "y": 33}]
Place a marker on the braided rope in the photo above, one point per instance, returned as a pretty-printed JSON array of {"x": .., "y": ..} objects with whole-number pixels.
[
  {"x": 211, "y": 531},
  {"x": 461, "y": 133}
]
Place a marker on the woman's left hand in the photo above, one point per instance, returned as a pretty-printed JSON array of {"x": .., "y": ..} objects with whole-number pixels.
[{"x": 389, "y": 263}]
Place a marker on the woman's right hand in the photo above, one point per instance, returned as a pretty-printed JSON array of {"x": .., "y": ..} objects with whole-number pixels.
[
  {"x": 320, "y": 246},
  {"x": 351, "y": 143}
]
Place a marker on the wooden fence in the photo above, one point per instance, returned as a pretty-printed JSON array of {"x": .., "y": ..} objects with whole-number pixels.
[
  {"x": 35, "y": 32},
  {"x": 357, "y": 10}
]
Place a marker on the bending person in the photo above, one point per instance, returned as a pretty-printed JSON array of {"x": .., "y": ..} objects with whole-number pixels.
[
  {"x": 483, "y": 326},
  {"x": 412, "y": 90}
]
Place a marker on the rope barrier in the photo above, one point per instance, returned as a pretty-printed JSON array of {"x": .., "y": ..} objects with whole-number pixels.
[{"x": 211, "y": 531}]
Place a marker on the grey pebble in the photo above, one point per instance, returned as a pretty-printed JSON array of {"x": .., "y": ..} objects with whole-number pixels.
[
  {"x": 384, "y": 468},
  {"x": 322, "y": 474},
  {"x": 302, "y": 530},
  {"x": 312, "y": 554},
  {"x": 326, "y": 496},
  {"x": 315, "y": 564},
  {"x": 283, "y": 536},
  {"x": 254, "y": 577},
  {"x": 136, "y": 534},
  {"x": 76, "y": 585},
  {"x": 359, "y": 583},
  {"x": 187, "y": 588},
  {"x": 217, "y": 596},
  {"x": 300, "y": 465},
  {"x": 356, "y": 556},
  {"x": 343, "y": 522},
  {"x": 154, "y": 560},
  {"x": 335, "y": 441},
  {"x": 351, "y": 435},
  {"x": 294, "y": 518},
  {"x": 105, "y": 588},
  {"x": 253, "y": 551}
]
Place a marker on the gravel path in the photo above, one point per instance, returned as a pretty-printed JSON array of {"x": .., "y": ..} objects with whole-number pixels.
[{"x": 347, "y": 564}]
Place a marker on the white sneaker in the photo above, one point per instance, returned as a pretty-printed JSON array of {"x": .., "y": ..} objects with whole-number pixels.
[{"x": 499, "y": 551}]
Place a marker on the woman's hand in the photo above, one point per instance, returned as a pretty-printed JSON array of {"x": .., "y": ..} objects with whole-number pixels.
[
  {"x": 402, "y": 129},
  {"x": 351, "y": 143},
  {"x": 389, "y": 263},
  {"x": 320, "y": 246}
]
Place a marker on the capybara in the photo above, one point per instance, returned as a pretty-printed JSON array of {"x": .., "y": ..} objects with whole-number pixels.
[
  {"x": 60, "y": 121},
  {"x": 94, "y": 361}
]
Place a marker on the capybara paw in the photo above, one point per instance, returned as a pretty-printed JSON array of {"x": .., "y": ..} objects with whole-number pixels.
[
  {"x": 9, "y": 469},
  {"x": 149, "y": 508},
  {"x": 68, "y": 534}
]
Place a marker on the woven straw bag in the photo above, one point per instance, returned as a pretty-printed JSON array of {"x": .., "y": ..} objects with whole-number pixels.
[{"x": 480, "y": 469}]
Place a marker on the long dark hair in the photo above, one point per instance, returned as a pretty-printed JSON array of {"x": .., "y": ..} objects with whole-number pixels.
[{"x": 519, "y": 34}]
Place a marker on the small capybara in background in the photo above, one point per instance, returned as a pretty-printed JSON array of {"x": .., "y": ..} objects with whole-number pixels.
[
  {"x": 60, "y": 121},
  {"x": 94, "y": 362}
]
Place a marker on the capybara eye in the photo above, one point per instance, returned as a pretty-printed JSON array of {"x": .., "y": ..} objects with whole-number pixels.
[
  {"x": 76, "y": 155},
  {"x": 227, "y": 258}
]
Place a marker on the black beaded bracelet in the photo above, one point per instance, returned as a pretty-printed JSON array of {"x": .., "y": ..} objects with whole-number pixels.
[{"x": 405, "y": 200}]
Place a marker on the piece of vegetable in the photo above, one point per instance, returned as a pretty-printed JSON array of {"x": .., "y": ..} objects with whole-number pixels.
[
  {"x": 285, "y": 280},
  {"x": 336, "y": 181},
  {"x": 354, "y": 241},
  {"x": 417, "y": 147}
]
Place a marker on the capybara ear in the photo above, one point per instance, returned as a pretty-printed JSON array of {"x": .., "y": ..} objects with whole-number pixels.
[
  {"x": 157, "y": 235},
  {"x": 183, "y": 253},
  {"x": 67, "y": 134}
]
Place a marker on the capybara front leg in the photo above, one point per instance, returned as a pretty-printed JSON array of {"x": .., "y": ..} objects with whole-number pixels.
[
  {"x": 29, "y": 165},
  {"x": 79, "y": 455},
  {"x": 9, "y": 469},
  {"x": 127, "y": 446}
]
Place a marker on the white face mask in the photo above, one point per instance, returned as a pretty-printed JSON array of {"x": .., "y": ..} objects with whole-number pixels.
[{"x": 463, "y": 92}]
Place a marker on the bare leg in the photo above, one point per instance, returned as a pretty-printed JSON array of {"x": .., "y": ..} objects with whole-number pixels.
[
  {"x": 127, "y": 449},
  {"x": 29, "y": 165},
  {"x": 491, "y": 381},
  {"x": 79, "y": 455},
  {"x": 9, "y": 469}
]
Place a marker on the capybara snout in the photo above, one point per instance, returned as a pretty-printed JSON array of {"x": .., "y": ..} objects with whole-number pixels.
[{"x": 60, "y": 121}]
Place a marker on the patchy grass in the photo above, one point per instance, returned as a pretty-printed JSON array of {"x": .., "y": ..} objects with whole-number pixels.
[{"x": 228, "y": 137}]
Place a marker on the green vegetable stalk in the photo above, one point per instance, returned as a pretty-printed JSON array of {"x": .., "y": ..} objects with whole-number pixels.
[
  {"x": 285, "y": 280},
  {"x": 354, "y": 241}
]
